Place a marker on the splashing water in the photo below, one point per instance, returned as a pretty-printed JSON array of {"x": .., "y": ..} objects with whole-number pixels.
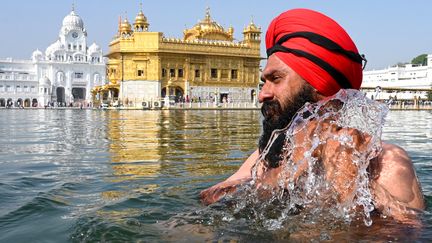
[{"x": 325, "y": 165}]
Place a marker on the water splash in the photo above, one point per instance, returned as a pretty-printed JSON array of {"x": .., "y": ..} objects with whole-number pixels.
[{"x": 324, "y": 167}]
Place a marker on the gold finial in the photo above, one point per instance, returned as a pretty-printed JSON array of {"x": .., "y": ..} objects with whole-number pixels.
[
  {"x": 119, "y": 23},
  {"x": 141, "y": 6},
  {"x": 252, "y": 21},
  {"x": 207, "y": 17}
]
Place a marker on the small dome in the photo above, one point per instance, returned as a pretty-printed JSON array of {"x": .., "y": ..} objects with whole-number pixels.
[
  {"x": 44, "y": 81},
  {"x": 94, "y": 48},
  {"x": 141, "y": 23},
  {"x": 37, "y": 55},
  {"x": 140, "y": 18},
  {"x": 72, "y": 21},
  {"x": 125, "y": 26},
  {"x": 252, "y": 28}
]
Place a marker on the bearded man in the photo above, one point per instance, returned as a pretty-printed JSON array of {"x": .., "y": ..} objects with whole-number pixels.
[{"x": 310, "y": 58}]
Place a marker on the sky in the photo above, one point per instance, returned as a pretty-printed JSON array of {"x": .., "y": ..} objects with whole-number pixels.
[{"x": 386, "y": 31}]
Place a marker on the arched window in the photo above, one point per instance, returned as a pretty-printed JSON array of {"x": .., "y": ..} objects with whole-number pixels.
[{"x": 96, "y": 79}]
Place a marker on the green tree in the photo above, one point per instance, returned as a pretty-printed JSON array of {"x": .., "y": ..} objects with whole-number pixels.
[
  {"x": 429, "y": 95},
  {"x": 420, "y": 59}
]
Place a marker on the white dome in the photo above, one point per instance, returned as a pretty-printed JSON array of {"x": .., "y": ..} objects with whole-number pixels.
[
  {"x": 37, "y": 55},
  {"x": 94, "y": 48},
  {"x": 73, "y": 21},
  {"x": 44, "y": 81}
]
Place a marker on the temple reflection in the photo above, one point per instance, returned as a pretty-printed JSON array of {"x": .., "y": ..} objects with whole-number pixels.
[
  {"x": 135, "y": 142},
  {"x": 149, "y": 143}
]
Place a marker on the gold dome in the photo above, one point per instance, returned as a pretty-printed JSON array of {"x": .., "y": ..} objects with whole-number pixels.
[
  {"x": 141, "y": 23},
  {"x": 209, "y": 30},
  {"x": 125, "y": 27},
  {"x": 252, "y": 28},
  {"x": 252, "y": 33},
  {"x": 140, "y": 18}
]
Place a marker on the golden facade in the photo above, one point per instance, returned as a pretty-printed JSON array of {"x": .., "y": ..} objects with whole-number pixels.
[{"x": 205, "y": 64}]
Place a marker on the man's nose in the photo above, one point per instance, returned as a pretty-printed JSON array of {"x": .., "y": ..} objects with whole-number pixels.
[{"x": 266, "y": 92}]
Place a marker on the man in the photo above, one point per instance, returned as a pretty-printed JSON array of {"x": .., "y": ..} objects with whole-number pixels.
[{"x": 311, "y": 57}]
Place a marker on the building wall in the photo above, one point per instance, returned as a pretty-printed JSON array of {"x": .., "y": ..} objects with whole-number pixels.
[
  {"x": 25, "y": 79},
  {"x": 406, "y": 82}
]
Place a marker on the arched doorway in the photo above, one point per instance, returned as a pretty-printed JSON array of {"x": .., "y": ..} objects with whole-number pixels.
[
  {"x": 2, "y": 102},
  {"x": 163, "y": 92},
  {"x": 78, "y": 94},
  {"x": 19, "y": 102},
  {"x": 27, "y": 102},
  {"x": 115, "y": 93},
  {"x": 34, "y": 103},
  {"x": 175, "y": 93},
  {"x": 9, "y": 102},
  {"x": 60, "y": 92},
  {"x": 252, "y": 95}
]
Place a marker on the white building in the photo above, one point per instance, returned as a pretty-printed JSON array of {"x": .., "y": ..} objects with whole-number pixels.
[
  {"x": 407, "y": 82},
  {"x": 63, "y": 75}
]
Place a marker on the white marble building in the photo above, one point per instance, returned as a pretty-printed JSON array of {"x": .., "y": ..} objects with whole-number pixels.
[
  {"x": 406, "y": 82},
  {"x": 63, "y": 75}
]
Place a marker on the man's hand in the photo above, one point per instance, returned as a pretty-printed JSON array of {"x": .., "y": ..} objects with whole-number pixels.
[{"x": 220, "y": 190}]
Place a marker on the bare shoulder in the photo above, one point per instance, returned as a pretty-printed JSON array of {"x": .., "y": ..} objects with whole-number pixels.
[
  {"x": 395, "y": 156},
  {"x": 397, "y": 176}
]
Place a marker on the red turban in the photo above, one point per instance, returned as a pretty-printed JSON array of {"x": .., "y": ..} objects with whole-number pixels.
[{"x": 317, "y": 48}]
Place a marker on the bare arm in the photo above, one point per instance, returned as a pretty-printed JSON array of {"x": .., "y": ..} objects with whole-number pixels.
[
  {"x": 397, "y": 189},
  {"x": 218, "y": 191},
  {"x": 245, "y": 170}
]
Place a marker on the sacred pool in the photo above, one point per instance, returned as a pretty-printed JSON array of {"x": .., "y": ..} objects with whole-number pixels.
[{"x": 133, "y": 175}]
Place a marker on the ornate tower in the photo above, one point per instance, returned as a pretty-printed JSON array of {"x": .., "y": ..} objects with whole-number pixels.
[
  {"x": 125, "y": 28},
  {"x": 141, "y": 23},
  {"x": 252, "y": 34}
]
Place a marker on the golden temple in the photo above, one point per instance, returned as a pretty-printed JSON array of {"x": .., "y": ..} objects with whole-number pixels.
[{"x": 206, "y": 64}]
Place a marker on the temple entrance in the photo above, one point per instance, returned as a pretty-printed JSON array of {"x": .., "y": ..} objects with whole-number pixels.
[
  {"x": 175, "y": 93},
  {"x": 27, "y": 103},
  {"x": 78, "y": 94},
  {"x": 252, "y": 95},
  {"x": 2, "y": 103},
  {"x": 60, "y": 92},
  {"x": 223, "y": 98}
]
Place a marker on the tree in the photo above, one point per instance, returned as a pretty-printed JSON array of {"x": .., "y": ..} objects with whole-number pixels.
[
  {"x": 429, "y": 95},
  {"x": 421, "y": 59}
]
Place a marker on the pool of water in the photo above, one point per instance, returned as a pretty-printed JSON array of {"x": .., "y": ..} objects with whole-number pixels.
[{"x": 94, "y": 175}]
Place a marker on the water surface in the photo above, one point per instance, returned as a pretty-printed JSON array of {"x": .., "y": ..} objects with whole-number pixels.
[{"x": 92, "y": 175}]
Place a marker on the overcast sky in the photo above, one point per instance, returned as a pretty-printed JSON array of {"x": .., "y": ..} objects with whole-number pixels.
[{"x": 387, "y": 32}]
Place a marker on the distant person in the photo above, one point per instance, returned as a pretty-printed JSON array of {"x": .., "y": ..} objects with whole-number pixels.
[{"x": 310, "y": 58}]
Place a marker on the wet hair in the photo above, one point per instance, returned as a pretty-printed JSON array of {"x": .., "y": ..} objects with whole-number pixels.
[{"x": 276, "y": 117}]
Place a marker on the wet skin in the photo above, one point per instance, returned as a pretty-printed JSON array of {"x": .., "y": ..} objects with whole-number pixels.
[{"x": 394, "y": 185}]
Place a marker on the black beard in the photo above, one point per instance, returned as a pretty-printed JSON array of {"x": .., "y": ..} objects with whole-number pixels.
[{"x": 275, "y": 117}]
